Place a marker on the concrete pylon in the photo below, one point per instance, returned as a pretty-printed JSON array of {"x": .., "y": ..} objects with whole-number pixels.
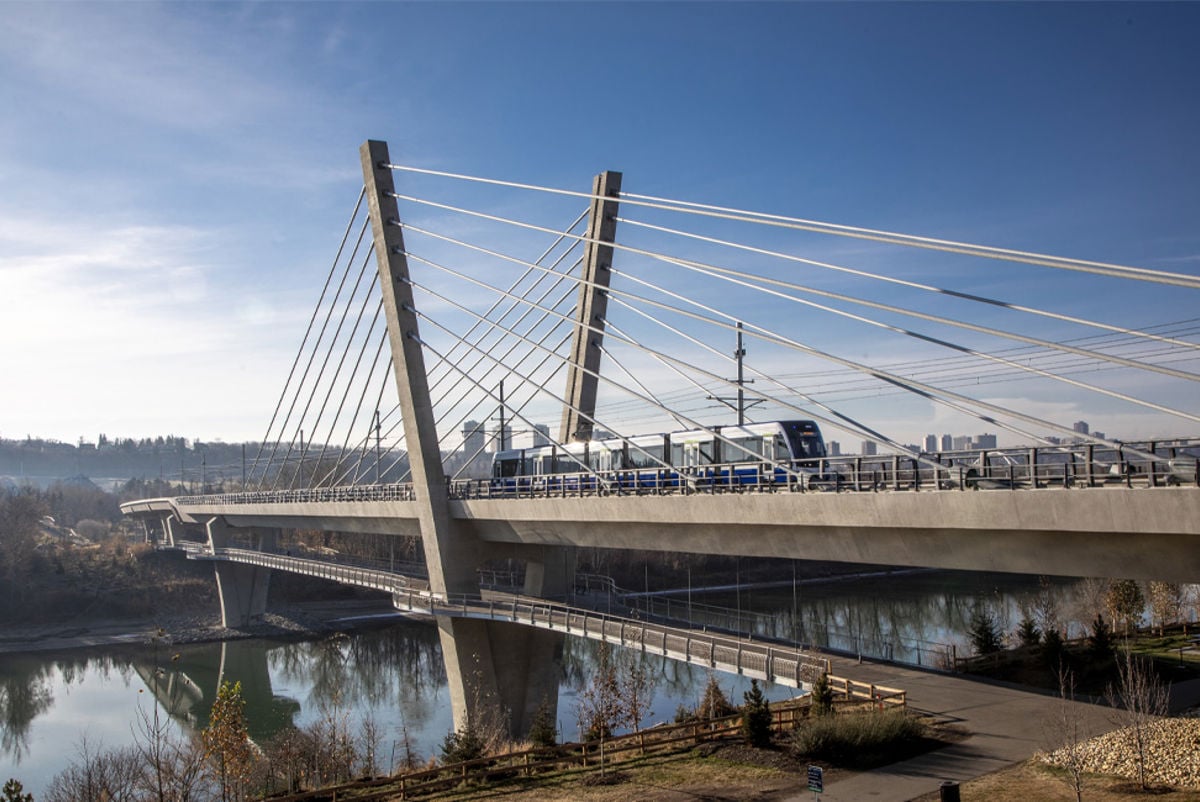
[
  {"x": 242, "y": 589},
  {"x": 493, "y": 669}
]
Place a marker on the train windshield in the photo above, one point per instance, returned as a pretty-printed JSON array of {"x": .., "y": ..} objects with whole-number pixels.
[{"x": 805, "y": 439}]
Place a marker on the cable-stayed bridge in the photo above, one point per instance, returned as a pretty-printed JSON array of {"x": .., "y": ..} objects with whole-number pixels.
[{"x": 491, "y": 368}]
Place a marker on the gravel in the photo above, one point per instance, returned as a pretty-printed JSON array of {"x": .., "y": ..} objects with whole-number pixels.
[{"x": 1172, "y": 753}]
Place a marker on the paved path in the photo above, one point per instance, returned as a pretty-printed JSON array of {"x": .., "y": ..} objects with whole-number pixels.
[{"x": 1006, "y": 725}]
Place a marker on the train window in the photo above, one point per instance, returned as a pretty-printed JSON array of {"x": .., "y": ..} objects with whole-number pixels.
[
  {"x": 677, "y": 454},
  {"x": 745, "y": 449},
  {"x": 645, "y": 456}
]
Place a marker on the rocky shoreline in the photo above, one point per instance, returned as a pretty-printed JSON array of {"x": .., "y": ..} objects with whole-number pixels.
[{"x": 309, "y": 619}]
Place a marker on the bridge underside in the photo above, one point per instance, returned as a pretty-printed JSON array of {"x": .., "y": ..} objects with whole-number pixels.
[{"x": 1132, "y": 533}]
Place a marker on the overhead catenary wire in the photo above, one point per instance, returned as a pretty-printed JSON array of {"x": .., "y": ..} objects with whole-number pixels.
[
  {"x": 590, "y": 327},
  {"x": 957, "y": 347}
]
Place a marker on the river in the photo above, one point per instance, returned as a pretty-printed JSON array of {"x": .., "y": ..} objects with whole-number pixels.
[{"x": 393, "y": 672}]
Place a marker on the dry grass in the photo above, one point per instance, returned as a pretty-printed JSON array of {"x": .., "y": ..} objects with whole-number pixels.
[{"x": 659, "y": 778}]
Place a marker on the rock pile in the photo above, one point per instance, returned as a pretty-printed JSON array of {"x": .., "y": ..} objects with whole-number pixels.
[{"x": 1172, "y": 753}]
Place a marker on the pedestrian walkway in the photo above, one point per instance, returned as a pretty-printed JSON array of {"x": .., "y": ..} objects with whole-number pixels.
[{"x": 1005, "y": 725}]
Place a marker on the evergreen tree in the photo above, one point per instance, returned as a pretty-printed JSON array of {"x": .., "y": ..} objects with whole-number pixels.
[
  {"x": 756, "y": 717},
  {"x": 15, "y": 792},
  {"x": 541, "y": 729},
  {"x": 985, "y": 638},
  {"x": 714, "y": 703},
  {"x": 822, "y": 696},
  {"x": 1100, "y": 642},
  {"x": 1028, "y": 632}
]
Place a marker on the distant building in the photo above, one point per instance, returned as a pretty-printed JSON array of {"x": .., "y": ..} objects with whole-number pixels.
[
  {"x": 834, "y": 448},
  {"x": 985, "y": 441},
  {"x": 474, "y": 438},
  {"x": 931, "y": 442},
  {"x": 947, "y": 443},
  {"x": 1080, "y": 426},
  {"x": 501, "y": 440},
  {"x": 1100, "y": 435},
  {"x": 868, "y": 448},
  {"x": 541, "y": 435},
  {"x": 963, "y": 443}
]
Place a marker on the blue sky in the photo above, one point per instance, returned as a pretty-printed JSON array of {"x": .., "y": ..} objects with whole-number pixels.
[{"x": 176, "y": 176}]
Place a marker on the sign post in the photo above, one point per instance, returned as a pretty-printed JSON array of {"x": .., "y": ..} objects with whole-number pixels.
[{"x": 816, "y": 781}]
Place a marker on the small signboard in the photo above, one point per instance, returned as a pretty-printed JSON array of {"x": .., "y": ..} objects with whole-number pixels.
[{"x": 816, "y": 779}]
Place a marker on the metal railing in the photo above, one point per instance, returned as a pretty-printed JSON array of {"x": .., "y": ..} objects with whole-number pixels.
[
  {"x": 599, "y": 592},
  {"x": 1050, "y": 467}
]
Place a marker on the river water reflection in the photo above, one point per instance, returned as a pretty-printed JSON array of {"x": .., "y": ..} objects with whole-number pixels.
[{"x": 394, "y": 673}]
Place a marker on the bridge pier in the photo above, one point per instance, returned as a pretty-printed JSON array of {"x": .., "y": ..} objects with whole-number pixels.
[
  {"x": 242, "y": 589},
  {"x": 499, "y": 673}
]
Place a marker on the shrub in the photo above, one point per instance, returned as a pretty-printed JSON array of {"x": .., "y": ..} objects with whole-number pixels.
[
  {"x": 462, "y": 745},
  {"x": 857, "y": 740}
]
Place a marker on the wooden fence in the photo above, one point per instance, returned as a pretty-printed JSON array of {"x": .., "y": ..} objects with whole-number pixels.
[{"x": 785, "y": 716}]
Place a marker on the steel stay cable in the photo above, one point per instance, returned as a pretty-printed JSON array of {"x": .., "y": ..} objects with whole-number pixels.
[
  {"x": 615, "y": 293},
  {"x": 325, "y": 362},
  {"x": 346, "y": 453},
  {"x": 731, "y": 275},
  {"x": 947, "y": 344},
  {"x": 366, "y": 340},
  {"x": 521, "y": 407},
  {"x": 546, "y": 271},
  {"x": 597, "y": 375},
  {"x": 283, "y": 394},
  {"x": 586, "y": 468},
  {"x": 918, "y": 388},
  {"x": 629, "y": 374},
  {"x": 908, "y": 240},
  {"x": 888, "y": 279},
  {"x": 949, "y": 246},
  {"x": 313, "y": 355},
  {"x": 856, "y": 427},
  {"x": 561, "y": 237},
  {"x": 952, "y": 293},
  {"x": 372, "y": 283}
]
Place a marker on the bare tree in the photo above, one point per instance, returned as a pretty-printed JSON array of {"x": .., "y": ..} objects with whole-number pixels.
[
  {"x": 1140, "y": 698},
  {"x": 97, "y": 775},
  {"x": 600, "y": 708},
  {"x": 1166, "y": 603},
  {"x": 637, "y": 684},
  {"x": 1064, "y": 733}
]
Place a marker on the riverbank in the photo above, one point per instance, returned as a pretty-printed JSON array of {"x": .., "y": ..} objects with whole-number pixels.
[{"x": 298, "y": 620}]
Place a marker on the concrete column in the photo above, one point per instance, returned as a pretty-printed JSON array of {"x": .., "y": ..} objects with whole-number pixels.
[
  {"x": 168, "y": 529},
  {"x": 242, "y": 589},
  {"x": 499, "y": 672},
  {"x": 488, "y": 665}
]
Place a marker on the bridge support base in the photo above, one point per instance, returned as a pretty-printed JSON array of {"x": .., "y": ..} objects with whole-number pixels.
[
  {"x": 243, "y": 592},
  {"x": 242, "y": 589},
  {"x": 500, "y": 673}
]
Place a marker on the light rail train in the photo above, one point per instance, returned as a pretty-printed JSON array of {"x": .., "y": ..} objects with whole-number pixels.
[{"x": 754, "y": 453}]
